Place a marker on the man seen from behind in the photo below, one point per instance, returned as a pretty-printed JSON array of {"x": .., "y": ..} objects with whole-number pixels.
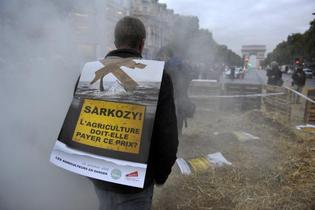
[{"x": 130, "y": 37}]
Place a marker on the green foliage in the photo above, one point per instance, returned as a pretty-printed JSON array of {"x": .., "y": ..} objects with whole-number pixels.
[{"x": 296, "y": 46}]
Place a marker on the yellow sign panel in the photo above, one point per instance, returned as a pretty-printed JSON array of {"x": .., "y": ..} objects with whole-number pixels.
[
  {"x": 110, "y": 125},
  {"x": 199, "y": 164}
]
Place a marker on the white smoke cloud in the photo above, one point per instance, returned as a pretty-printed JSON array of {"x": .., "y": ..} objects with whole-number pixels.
[{"x": 39, "y": 67}]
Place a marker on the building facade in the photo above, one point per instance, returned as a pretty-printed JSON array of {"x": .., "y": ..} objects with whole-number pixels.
[
  {"x": 158, "y": 22},
  {"x": 94, "y": 22},
  {"x": 256, "y": 50}
]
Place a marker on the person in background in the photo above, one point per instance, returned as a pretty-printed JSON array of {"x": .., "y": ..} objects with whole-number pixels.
[
  {"x": 286, "y": 69},
  {"x": 274, "y": 75},
  {"x": 242, "y": 73},
  {"x": 298, "y": 82},
  {"x": 232, "y": 75},
  {"x": 181, "y": 73},
  {"x": 130, "y": 36}
]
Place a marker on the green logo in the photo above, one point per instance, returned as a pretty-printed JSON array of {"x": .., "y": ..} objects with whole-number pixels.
[{"x": 116, "y": 174}]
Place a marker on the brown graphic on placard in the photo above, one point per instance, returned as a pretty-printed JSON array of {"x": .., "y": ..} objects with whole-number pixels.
[{"x": 114, "y": 66}]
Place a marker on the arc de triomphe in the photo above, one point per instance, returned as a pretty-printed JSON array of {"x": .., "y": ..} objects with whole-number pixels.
[{"x": 257, "y": 50}]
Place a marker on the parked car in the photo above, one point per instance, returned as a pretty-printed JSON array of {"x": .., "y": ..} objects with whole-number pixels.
[
  {"x": 308, "y": 73},
  {"x": 237, "y": 74}
]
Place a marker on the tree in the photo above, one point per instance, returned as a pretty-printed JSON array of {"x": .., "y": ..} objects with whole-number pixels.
[{"x": 296, "y": 46}]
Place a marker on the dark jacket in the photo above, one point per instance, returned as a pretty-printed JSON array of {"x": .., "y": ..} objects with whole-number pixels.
[
  {"x": 299, "y": 78},
  {"x": 181, "y": 75},
  {"x": 164, "y": 140},
  {"x": 274, "y": 76}
]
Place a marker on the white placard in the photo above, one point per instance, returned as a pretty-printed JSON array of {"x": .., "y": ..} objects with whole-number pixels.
[{"x": 98, "y": 167}]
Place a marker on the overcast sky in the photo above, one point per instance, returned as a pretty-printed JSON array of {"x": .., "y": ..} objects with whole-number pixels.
[{"x": 235, "y": 23}]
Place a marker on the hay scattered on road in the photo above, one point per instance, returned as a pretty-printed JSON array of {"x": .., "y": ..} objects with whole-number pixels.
[{"x": 275, "y": 172}]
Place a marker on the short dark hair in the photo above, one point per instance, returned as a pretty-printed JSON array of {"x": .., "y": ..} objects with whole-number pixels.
[{"x": 130, "y": 32}]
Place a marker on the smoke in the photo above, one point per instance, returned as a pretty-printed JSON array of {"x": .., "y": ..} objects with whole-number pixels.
[{"x": 39, "y": 67}]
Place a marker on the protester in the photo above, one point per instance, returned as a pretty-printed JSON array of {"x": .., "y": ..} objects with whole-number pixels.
[
  {"x": 129, "y": 40},
  {"x": 298, "y": 82},
  {"x": 274, "y": 75},
  {"x": 181, "y": 74}
]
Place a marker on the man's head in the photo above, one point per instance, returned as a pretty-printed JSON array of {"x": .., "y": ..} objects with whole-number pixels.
[
  {"x": 274, "y": 65},
  {"x": 130, "y": 33}
]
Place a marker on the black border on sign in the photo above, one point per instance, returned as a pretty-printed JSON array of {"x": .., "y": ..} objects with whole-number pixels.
[{"x": 72, "y": 119}]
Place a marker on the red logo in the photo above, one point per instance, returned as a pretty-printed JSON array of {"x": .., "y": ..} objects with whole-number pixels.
[{"x": 132, "y": 174}]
